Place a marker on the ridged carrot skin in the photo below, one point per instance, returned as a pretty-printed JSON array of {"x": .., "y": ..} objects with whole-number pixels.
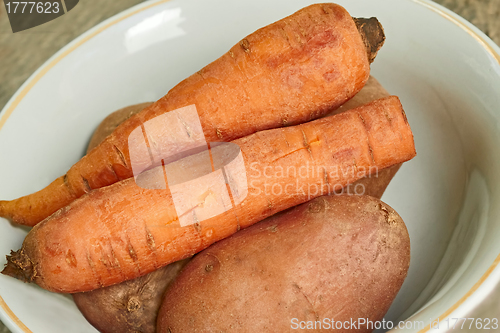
[
  {"x": 122, "y": 231},
  {"x": 291, "y": 71},
  {"x": 374, "y": 186}
]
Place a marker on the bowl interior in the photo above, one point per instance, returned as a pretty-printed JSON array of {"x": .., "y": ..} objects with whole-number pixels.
[{"x": 444, "y": 75}]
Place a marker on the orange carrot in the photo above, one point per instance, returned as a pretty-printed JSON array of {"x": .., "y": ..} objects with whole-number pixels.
[
  {"x": 289, "y": 72},
  {"x": 123, "y": 231},
  {"x": 375, "y": 185}
]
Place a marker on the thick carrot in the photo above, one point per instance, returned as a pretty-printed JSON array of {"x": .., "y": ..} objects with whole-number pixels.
[
  {"x": 286, "y": 73},
  {"x": 374, "y": 185},
  {"x": 122, "y": 231}
]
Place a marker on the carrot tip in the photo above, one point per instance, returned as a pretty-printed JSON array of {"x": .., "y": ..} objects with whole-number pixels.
[
  {"x": 372, "y": 33},
  {"x": 19, "y": 266},
  {"x": 6, "y": 211},
  {"x": 3, "y": 212}
]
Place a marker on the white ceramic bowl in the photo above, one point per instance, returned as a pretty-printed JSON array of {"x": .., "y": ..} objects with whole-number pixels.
[{"x": 446, "y": 72}]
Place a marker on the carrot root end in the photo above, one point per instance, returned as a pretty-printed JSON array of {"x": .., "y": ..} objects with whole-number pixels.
[
  {"x": 3, "y": 209},
  {"x": 19, "y": 266},
  {"x": 373, "y": 35}
]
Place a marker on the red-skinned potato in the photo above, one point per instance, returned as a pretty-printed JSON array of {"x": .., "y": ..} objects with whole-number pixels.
[{"x": 338, "y": 257}]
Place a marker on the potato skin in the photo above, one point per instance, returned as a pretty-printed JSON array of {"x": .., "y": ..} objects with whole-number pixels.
[
  {"x": 131, "y": 306},
  {"x": 338, "y": 257},
  {"x": 108, "y": 125}
]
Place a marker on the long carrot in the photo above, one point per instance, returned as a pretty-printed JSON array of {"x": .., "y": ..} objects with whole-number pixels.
[
  {"x": 286, "y": 73},
  {"x": 122, "y": 231}
]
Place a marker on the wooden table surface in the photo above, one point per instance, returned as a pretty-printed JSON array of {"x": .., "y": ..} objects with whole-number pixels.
[{"x": 22, "y": 53}]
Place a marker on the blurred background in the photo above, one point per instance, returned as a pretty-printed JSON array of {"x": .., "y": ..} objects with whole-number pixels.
[{"x": 23, "y": 52}]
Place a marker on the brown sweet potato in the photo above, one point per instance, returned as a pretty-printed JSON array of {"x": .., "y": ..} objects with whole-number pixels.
[
  {"x": 111, "y": 122},
  {"x": 335, "y": 257},
  {"x": 131, "y": 306}
]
